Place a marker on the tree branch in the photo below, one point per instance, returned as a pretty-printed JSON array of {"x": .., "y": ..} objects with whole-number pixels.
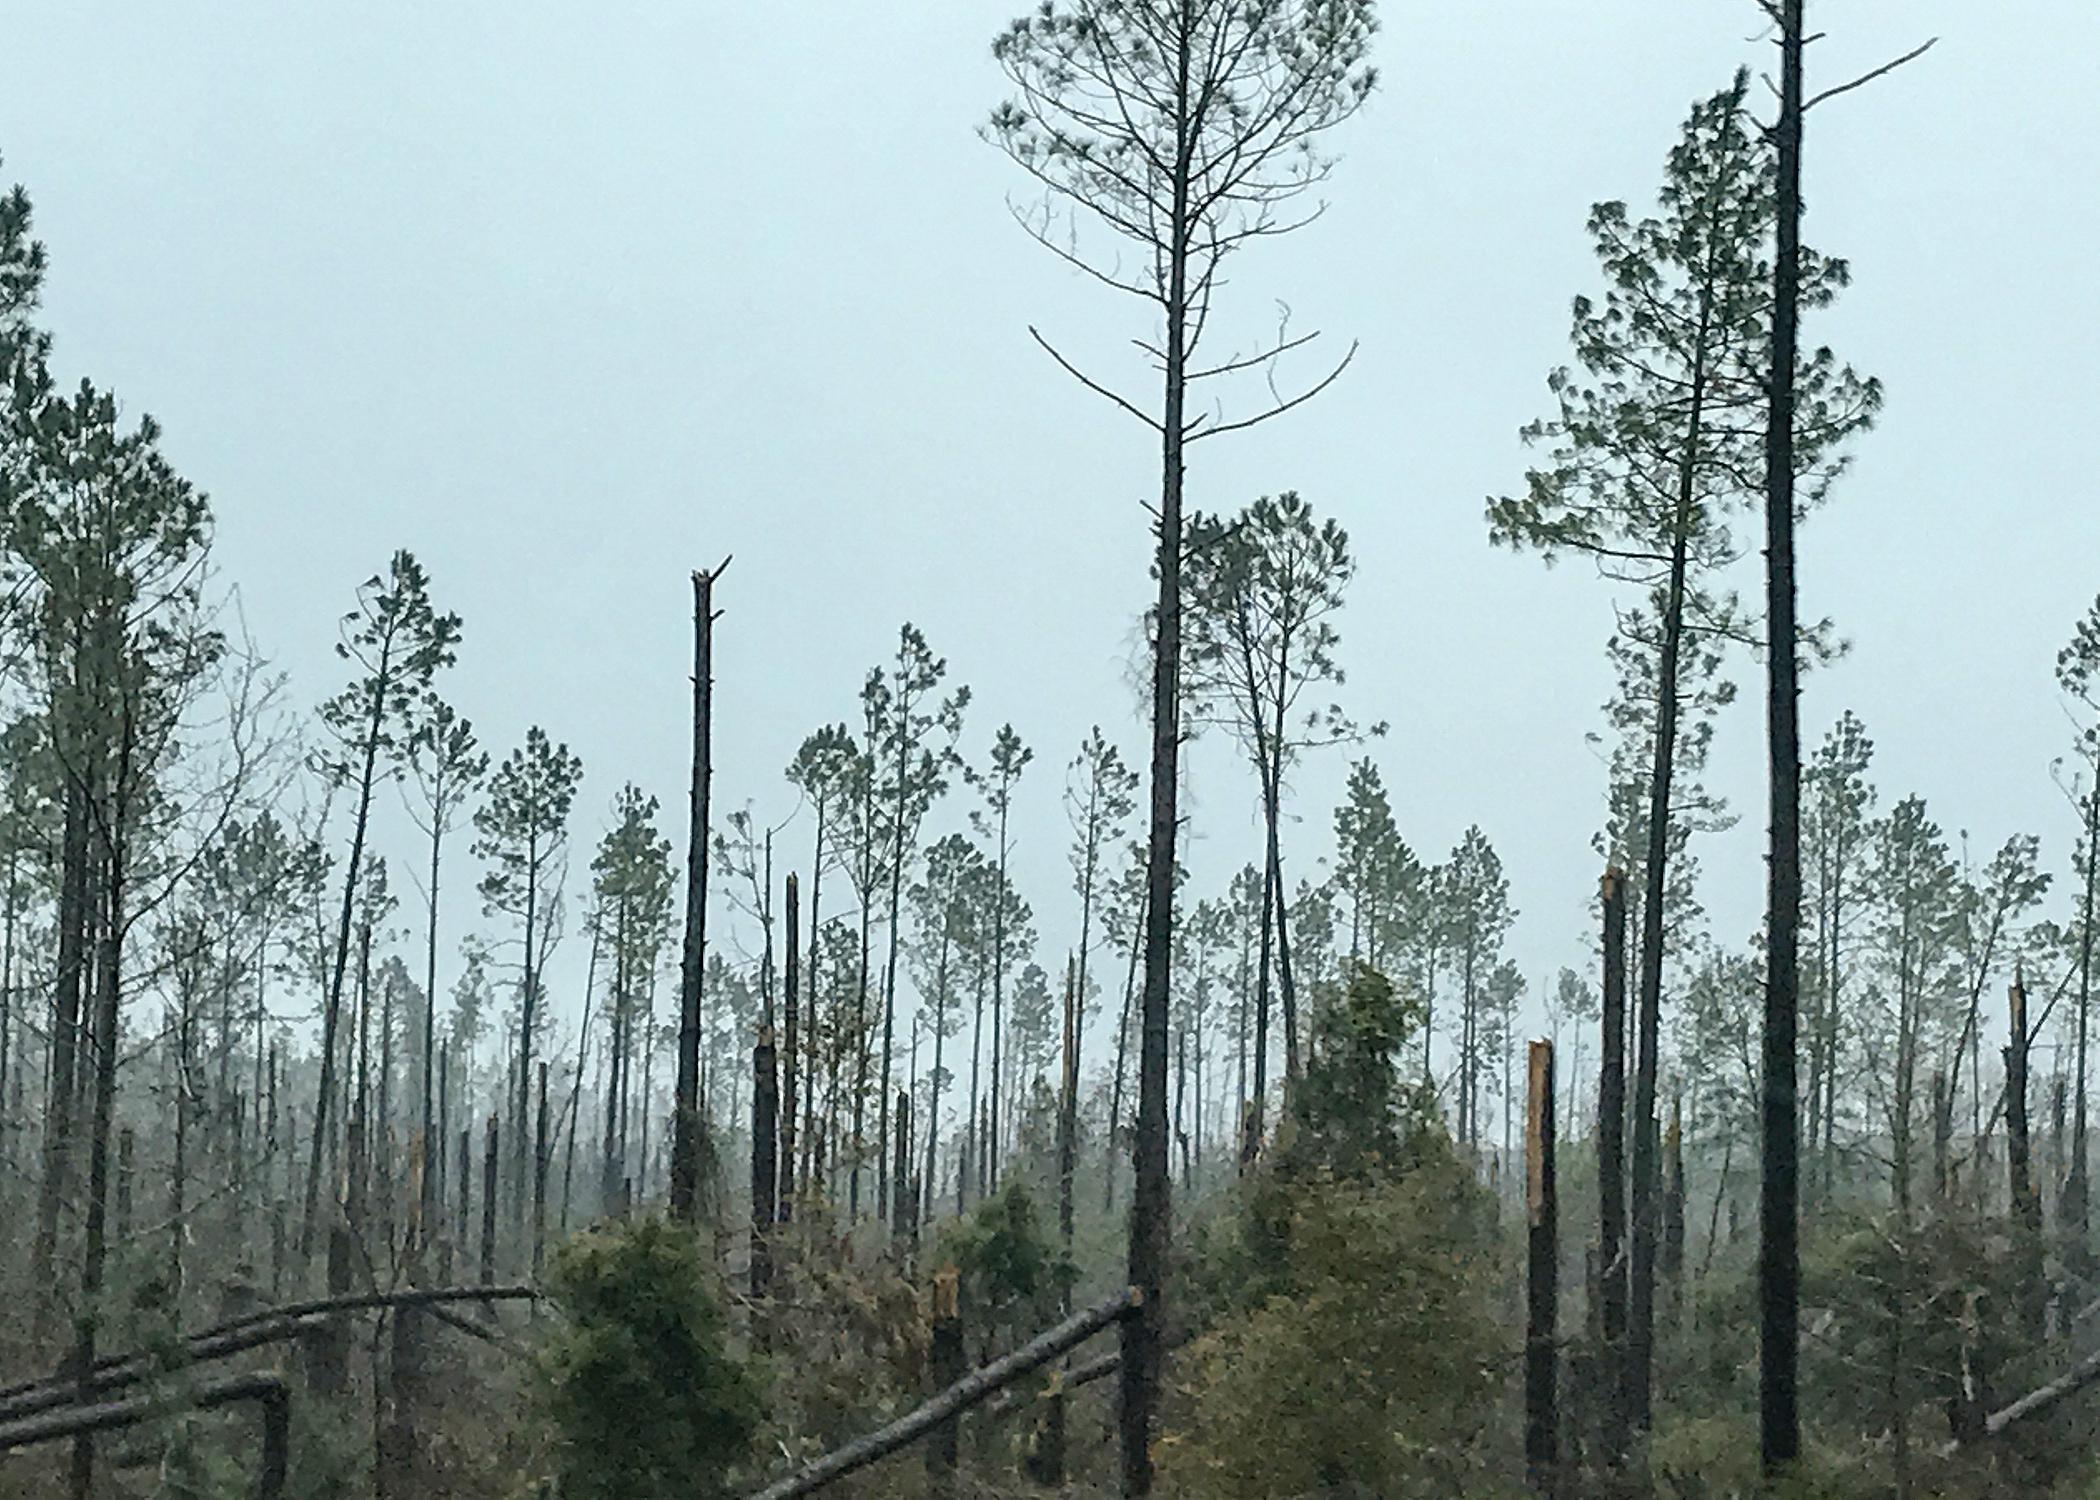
[
  {"x": 1865, "y": 78},
  {"x": 1096, "y": 387}
]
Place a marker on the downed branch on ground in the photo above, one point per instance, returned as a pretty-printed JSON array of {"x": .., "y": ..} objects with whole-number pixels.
[{"x": 2040, "y": 1399}]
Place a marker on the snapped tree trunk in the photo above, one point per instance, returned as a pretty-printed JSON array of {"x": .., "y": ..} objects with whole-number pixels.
[{"x": 685, "y": 1125}]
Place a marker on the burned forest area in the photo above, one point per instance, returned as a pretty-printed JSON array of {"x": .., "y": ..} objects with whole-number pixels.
[{"x": 671, "y": 831}]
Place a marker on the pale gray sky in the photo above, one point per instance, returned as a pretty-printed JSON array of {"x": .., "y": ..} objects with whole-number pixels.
[{"x": 570, "y": 299}]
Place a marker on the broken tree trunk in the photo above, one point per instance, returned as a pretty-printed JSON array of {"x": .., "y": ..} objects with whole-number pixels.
[
  {"x": 685, "y": 1119},
  {"x": 945, "y": 1367},
  {"x": 1541, "y": 1353}
]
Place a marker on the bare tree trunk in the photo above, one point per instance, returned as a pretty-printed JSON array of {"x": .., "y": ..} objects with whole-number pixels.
[
  {"x": 108, "y": 996},
  {"x": 332, "y": 1009},
  {"x": 490, "y": 1165},
  {"x": 945, "y": 1366},
  {"x": 1779, "y": 1252},
  {"x": 1611, "y": 1160},
  {"x": 903, "y": 1222},
  {"x": 765, "y": 1159},
  {"x": 539, "y": 1179},
  {"x": 1050, "y": 1448},
  {"x": 1115, "y": 1098},
  {"x": 685, "y": 1136},
  {"x": 1646, "y": 1167},
  {"x": 57, "y": 1180},
  {"x": 1150, "y": 1208},
  {"x": 791, "y": 996},
  {"x": 2077, "y": 1185},
  {"x": 1541, "y": 1351}
]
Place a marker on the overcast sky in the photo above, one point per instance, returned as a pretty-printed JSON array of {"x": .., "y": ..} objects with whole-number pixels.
[{"x": 572, "y": 299}]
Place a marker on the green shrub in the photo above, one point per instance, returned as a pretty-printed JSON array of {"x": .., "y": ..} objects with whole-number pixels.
[{"x": 645, "y": 1397}]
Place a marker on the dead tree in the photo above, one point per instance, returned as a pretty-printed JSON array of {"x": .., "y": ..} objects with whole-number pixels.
[{"x": 685, "y": 1124}]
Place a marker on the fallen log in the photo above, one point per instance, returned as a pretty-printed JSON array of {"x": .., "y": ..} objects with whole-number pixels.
[
  {"x": 2040, "y": 1399},
  {"x": 268, "y": 1391},
  {"x": 222, "y": 1341},
  {"x": 973, "y": 1389}
]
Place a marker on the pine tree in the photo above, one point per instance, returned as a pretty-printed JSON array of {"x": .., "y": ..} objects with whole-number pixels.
[
  {"x": 912, "y": 751},
  {"x": 523, "y": 828},
  {"x": 447, "y": 764},
  {"x": 2078, "y": 675},
  {"x": 1264, "y": 589},
  {"x": 1185, "y": 128},
  {"x": 993, "y": 821},
  {"x": 396, "y": 643},
  {"x": 1476, "y": 893}
]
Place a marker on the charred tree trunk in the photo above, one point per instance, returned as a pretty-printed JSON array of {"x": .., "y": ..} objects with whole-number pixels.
[{"x": 685, "y": 1133}]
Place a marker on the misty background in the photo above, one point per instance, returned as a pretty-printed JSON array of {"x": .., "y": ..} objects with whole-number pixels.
[{"x": 570, "y": 300}]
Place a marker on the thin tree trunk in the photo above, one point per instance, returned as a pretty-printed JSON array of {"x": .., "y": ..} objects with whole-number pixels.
[
  {"x": 1150, "y": 1208},
  {"x": 1647, "y": 1174},
  {"x": 1779, "y": 1254},
  {"x": 1115, "y": 1098},
  {"x": 539, "y": 1179},
  {"x": 685, "y": 1136},
  {"x": 108, "y": 995},
  {"x": 765, "y": 1150},
  {"x": 56, "y": 1186},
  {"x": 791, "y": 996},
  {"x": 1541, "y": 1351},
  {"x": 490, "y": 1165},
  {"x": 1611, "y": 1160},
  {"x": 331, "y": 1013},
  {"x": 2077, "y": 1187}
]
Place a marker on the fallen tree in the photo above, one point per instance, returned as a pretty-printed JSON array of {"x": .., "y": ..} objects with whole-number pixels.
[
  {"x": 2038, "y": 1400},
  {"x": 266, "y": 1390},
  {"x": 973, "y": 1389},
  {"x": 238, "y": 1336}
]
